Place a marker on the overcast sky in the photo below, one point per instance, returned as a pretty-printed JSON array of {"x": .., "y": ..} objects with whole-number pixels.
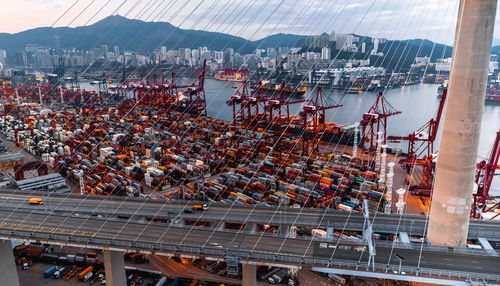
[{"x": 251, "y": 19}]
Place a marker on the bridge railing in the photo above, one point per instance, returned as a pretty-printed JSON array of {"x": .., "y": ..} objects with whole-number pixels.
[{"x": 160, "y": 248}]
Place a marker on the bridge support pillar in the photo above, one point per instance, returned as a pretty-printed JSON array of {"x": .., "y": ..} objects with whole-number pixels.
[
  {"x": 329, "y": 233},
  {"x": 221, "y": 226},
  {"x": 454, "y": 183},
  {"x": 114, "y": 267},
  {"x": 283, "y": 229},
  {"x": 8, "y": 269},
  {"x": 180, "y": 222},
  {"x": 251, "y": 226},
  {"x": 249, "y": 275}
]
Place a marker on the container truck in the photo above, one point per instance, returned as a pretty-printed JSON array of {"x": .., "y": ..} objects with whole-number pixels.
[
  {"x": 82, "y": 274},
  {"x": 47, "y": 273},
  {"x": 278, "y": 277}
]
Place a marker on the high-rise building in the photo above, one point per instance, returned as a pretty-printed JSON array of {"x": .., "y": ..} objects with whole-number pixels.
[
  {"x": 345, "y": 42},
  {"x": 326, "y": 53},
  {"x": 375, "y": 46},
  {"x": 320, "y": 41},
  {"x": 3, "y": 56},
  {"x": 116, "y": 50}
]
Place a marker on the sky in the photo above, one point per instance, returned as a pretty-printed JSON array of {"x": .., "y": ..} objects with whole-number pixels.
[{"x": 251, "y": 19}]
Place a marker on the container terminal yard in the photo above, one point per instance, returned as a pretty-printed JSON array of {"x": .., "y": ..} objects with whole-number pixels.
[
  {"x": 136, "y": 182},
  {"x": 144, "y": 141},
  {"x": 148, "y": 149}
]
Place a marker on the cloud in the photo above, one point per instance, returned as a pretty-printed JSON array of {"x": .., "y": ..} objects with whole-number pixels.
[{"x": 395, "y": 19}]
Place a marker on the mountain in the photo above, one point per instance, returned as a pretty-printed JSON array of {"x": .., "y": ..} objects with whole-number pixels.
[
  {"x": 118, "y": 30},
  {"x": 496, "y": 50},
  {"x": 144, "y": 37},
  {"x": 281, "y": 40}
]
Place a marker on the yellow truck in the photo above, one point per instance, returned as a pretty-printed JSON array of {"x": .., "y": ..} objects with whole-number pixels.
[{"x": 35, "y": 201}]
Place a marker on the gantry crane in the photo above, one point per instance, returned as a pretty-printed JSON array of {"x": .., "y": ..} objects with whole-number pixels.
[
  {"x": 314, "y": 119},
  {"x": 191, "y": 100},
  {"x": 240, "y": 103},
  {"x": 485, "y": 171},
  {"x": 278, "y": 111},
  {"x": 422, "y": 155},
  {"x": 375, "y": 120}
]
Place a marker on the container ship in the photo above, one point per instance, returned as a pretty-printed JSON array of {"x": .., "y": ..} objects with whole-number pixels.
[
  {"x": 493, "y": 93},
  {"x": 232, "y": 75},
  {"x": 280, "y": 89}
]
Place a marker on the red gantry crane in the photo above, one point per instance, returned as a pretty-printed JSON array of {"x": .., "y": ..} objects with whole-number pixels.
[
  {"x": 422, "y": 155},
  {"x": 485, "y": 171},
  {"x": 314, "y": 119},
  {"x": 160, "y": 94},
  {"x": 240, "y": 103},
  {"x": 375, "y": 120}
]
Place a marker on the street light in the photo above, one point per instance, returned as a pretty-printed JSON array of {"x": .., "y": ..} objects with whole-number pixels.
[{"x": 401, "y": 259}]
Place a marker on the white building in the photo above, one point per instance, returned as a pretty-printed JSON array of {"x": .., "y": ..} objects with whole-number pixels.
[
  {"x": 443, "y": 65},
  {"x": 3, "y": 56},
  {"x": 326, "y": 54}
]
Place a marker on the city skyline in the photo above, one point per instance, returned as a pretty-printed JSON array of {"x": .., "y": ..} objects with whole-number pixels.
[{"x": 435, "y": 21}]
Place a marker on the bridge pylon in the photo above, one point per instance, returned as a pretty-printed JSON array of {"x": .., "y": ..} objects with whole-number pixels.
[{"x": 456, "y": 166}]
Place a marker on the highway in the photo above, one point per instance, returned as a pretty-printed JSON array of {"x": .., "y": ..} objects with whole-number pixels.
[
  {"x": 159, "y": 238},
  {"x": 217, "y": 212}
]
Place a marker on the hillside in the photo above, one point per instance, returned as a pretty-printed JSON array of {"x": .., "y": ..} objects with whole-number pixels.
[{"x": 144, "y": 37}]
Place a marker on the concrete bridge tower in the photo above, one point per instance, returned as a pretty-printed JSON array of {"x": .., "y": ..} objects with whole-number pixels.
[{"x": 454, "y": 183}]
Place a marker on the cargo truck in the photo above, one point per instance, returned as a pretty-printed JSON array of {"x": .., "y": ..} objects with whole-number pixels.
[
  {"x": 82, "y": 274},
  {"x": 278, "y": 277},
  {"x": 47, "y": 273}
]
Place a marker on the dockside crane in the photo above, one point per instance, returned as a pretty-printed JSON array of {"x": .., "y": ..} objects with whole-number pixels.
[
  {"x": 240, "y": 103},
  {"x": 485, "y": 171},
  {"x": 375, "y": 120},
  {"x": 313, "y": 117},
  {"x": 422, "y": 154},
  {"x": 160, "y": 94}
]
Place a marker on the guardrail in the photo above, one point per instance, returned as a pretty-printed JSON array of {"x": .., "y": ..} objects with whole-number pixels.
[{"x": 160, "y": 248}]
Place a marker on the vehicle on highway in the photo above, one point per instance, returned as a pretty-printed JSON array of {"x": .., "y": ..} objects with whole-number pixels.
[
  {"x": 35, "y": 201},
  {"x": 200, "y": 207}
]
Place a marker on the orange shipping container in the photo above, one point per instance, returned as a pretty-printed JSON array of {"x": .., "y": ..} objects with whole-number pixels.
[{"x": 84, "y": 272}]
